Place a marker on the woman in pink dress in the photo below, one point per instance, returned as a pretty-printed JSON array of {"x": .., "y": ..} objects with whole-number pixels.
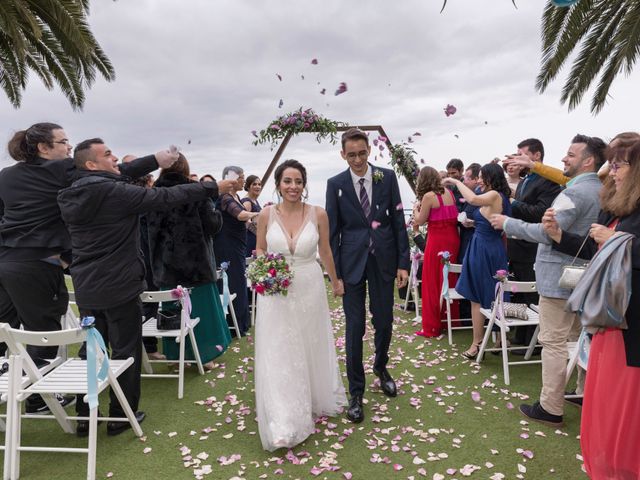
[
  {"x": 610, "y": 426},
  {"x": 437, "y": 208}
]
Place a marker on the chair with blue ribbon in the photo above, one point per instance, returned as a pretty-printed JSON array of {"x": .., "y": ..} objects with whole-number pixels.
[
  {"x": 448, "y": 295},
  {"x": 227, "y": 298},
  {"x": 187, "y": 324},
  {"x": 74, "y": 376}
]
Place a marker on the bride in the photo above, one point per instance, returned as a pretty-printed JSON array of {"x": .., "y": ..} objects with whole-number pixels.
[{"x": 296, "y": 368}]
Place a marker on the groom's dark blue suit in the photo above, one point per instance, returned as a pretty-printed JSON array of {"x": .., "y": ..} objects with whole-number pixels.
[{"x": 367, "y": 250}]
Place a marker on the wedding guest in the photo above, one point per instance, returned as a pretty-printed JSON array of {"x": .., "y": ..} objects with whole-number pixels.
[
  {"x": 467, "y": 226},
  {"x": 193, "y": 177},
  {"x": 486, "y": 253},
  {"x": 230, "y": 244},
  {"x": 584, "y": 157},
  {"x": 514, "y": 173},
  {"x": 610, "y": 427},
  {"x": 437, "y": 209},
  {"x": 297, "y": 374},
  {"x": 101, "y": 210},
  {"x": 532, "y": 197},
  {"x": 207, "y": 178},
  {"x": 455, "y": 170},
  {"x": 253, "y": 187},
  {"x": 35, "y": 245},
  {"x": 180, "y": 243}
]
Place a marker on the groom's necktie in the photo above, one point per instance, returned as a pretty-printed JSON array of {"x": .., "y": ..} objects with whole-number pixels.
[{"x": 364, "y": 199}]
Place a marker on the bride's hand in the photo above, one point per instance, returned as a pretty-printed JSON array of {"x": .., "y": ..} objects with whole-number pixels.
[{"x": 338, "y": 288}]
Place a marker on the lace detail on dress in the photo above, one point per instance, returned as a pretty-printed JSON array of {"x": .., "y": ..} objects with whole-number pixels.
[{"x": 297, "y": 374}]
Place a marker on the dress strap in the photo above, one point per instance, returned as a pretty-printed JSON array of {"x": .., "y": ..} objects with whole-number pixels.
[
  {"x": 453, "y": 197},
  {"x": 313, "y": 215},
  {"x": 440, "y": 200},
  {"x": 272, "y": 215}
]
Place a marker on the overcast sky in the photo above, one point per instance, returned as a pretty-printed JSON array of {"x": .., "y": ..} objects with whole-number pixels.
[{"x": 205, "y": 71}]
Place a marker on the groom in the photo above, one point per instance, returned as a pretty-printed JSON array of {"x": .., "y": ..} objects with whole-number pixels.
[{"x": 370, "y": 246}]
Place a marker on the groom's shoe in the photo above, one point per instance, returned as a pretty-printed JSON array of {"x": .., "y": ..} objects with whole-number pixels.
[
  {"x": 386, "y": 383},
  {"x": 355, "y": 413}
]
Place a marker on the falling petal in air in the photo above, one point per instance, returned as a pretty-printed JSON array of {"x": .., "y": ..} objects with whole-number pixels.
[
  {"x": 341, "y": 88},
  {"x": 450, "y": 110},
  {"x": 279, "y": 76},
  {"x": 314, "y": 61},
  {"x": 280, "y": 103}
]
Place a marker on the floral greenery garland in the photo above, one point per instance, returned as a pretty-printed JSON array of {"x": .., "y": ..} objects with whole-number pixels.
[
  {"x": 297, "y": 122},
  {"x": 403, "y": 162}
]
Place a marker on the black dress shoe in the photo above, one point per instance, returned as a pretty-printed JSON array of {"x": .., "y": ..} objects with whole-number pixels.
[
  {"x": 386, "y": 383},
  {"x": 539, "y": 414},
  {"x": 82, "y": 426},
  {"x": 355, "y": 413},
  {"x": 116, "y": 428}
]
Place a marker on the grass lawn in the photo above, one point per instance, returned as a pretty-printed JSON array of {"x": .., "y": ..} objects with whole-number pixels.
[{"x": 452, "y": 419}]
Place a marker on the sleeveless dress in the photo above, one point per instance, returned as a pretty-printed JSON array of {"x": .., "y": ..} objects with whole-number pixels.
[
  {"x": 442, "y": 235},
  {"x": 486, "y": 255},
  {"x": 610, "y": 426},
  {"x": 296, "y": 369},
  {"x": 230, "y": 245},
  {"x": 251, "y": 235}
]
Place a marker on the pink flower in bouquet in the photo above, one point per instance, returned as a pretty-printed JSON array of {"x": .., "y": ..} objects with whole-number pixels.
[
  {"x": 259, "y": 288},
  {"x": 285, "y": 282},
  {"x": 272, "y": 272}
]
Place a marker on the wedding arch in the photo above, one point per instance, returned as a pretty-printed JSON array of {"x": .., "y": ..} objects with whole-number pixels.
[{"x": 282, "y": 129}]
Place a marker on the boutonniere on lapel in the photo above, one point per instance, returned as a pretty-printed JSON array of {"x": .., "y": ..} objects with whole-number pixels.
[{"x": 377, "y": 175}]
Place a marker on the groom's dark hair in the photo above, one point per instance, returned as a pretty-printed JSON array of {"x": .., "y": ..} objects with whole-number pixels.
[{"x": 354, "y": 134}]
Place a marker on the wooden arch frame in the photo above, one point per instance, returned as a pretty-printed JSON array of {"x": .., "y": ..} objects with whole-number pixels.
[{"x": 366, "y": 128}]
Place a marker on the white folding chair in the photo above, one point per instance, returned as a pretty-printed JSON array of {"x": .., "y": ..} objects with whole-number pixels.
[
  {"x": 505, "y": 324},
  {"x": 413, "y": 286},
  {"x": 253, "y": 295},
  {"x": 70, "y": 377},
  {"x": 150, "y": 329},
  {"x": 231, "y": 297},
  {"x": 448, "y": 297}
]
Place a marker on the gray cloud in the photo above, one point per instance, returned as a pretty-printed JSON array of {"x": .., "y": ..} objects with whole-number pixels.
[{"x": 205, "y": 71}]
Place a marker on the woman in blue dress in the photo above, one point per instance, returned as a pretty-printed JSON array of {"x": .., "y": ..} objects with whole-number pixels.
[
  {"x": 230, "y": 245},
  {"x": 487, "y": 252},
  {"x": 253, "y": 187}
]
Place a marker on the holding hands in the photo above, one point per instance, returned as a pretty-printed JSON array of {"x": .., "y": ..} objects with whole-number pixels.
[
  {"x": 600, "y": 233},
  {"x": 551, "y": 226},
  {"x": 337, "y": 288},
  {"x": 226, "y": 186}
]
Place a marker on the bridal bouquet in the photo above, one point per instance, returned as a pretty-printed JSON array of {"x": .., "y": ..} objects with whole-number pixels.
[{"x": 269, "y": 274}]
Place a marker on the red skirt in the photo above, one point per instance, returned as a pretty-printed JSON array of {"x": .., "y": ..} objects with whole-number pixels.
[{"x": 610, "y": 427}]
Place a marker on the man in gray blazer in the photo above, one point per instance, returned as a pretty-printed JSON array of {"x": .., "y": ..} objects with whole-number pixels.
[{"x": 577, "y": 208}]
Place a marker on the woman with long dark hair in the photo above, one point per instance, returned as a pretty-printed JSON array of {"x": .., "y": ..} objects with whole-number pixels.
[
  {"x": 231, "y": 244},
  {"x": 180, "y": 246},
  {"x": 610, "y": 426},
  {"x": 253, "y": 187},
  {"x": 487, "y": 252},
  {"x": 438, "y": 209}
]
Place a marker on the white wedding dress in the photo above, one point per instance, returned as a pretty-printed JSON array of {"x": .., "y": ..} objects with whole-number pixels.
[{"x": 296, "y": 369}]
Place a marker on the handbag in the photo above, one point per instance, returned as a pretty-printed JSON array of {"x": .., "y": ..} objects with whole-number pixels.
[
  {"x": 514, "y": 310},
  {"x": 571, "y": 274},
  {"x": 168, "y": 320}
]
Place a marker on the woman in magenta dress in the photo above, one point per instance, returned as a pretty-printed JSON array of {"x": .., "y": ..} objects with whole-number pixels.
[
  {"x": 610, "y": 425},
  {"x": 438, "y": 209}
]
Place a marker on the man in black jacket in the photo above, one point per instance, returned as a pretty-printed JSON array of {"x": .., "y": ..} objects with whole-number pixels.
[
  {"x": 101, "y": 211},
  {"x": 533, "y": 196}
]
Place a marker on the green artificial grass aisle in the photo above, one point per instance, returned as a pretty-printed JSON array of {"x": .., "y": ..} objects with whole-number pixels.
[{"x": 452, "y": 419}]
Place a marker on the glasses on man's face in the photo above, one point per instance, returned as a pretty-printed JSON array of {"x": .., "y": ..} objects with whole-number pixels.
[
  {"x": 615, "y": 166},
  {"x": 362, "y": 154}
]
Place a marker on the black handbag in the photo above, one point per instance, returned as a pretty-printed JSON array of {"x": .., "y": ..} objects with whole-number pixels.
[{"x": 168, "y": 319}]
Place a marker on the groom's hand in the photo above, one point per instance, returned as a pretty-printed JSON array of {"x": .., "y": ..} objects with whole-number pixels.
[{"x": 402, "y": 276}]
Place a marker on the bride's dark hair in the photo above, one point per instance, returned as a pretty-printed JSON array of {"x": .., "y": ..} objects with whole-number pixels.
[{"x": 290, "y": 164}]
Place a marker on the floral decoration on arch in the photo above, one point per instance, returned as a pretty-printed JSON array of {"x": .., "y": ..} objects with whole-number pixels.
[
  {"x": 403, "y": 161},
  {"x": 299, "y": 121}
]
